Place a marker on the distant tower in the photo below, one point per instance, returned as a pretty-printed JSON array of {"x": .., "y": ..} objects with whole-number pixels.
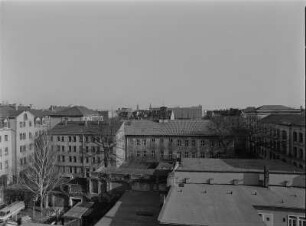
[
  {"x": 150, "y": 108},
  {"x": 137, "y": 108}
]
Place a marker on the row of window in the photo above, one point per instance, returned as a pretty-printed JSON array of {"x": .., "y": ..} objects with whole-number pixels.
[
  {"x": 23, "y": 148},
  {"x": 298, "y": 154},
  {"x": 73, "y": 169},
  {"x": 5, "y": 151},
  {"x": 23, "y": 124},
  {"x": 62, "y": 158},
  {"x": 94, "y": 149},
  {"x": 179, "y": 142},
  {"x": 6, "y": 165},
  {"x": 74, "y": 138},
  {"x": 5, "y": 138},
  {"x": 170, "y": 154},
  {"x": 295, "y": 137}
]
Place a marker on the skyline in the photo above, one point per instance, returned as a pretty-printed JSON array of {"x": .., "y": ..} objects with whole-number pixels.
[{"x": 106, "y": 55}]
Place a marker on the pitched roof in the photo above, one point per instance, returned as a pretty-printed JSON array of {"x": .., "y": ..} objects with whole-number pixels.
[
  {"x": 76, "y": 111},
  {"x": 92, "y": 127},
  {"x": 229, "y": 205},
  {"x": 274, "y": 108},
  {"x": 39, "y": 113},
  {"x": 170, "y": 128},
  {"x": 285, "y": 119},
  {"x": 9, "y": 112}
]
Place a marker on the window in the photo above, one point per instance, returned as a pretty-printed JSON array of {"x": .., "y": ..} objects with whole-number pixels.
[
  {"x": 301, "y": 154},
  {"x": 24, "y": 136},
  {"x": 294, "y": 136},
  {"x": 202, "y": 155},
  {"x": 292, "y": 221},
  {"x": 58, "y": 147},
  {"x": 63, "y": 139},
  {"x": 5, "y": 137},
  {"x": 58, "y": 158},
  {"x": 186, "y": 154},
  {"x": 63, "y": 158},
  {"x": 70, "y": 139},
  {"x": 302, "y": 221},
  {"x": 153, "y": 140},
  {"x": 301, "y": 137},
  {"x": 194, "y": 155},
  {"x": 144, "y": 142},
  {"x": 74, "y": 158},
  {"x": 138, "y": 153},
  {"x": 25, "y": 117},
  {"x": 193, "y": 143},
  {"x": 70, "y": 148},
  {"x": 30, "y": 123},
  {"x": 93, "y": 160},
  {"x": 144, "y": 153},
  {"x": 284, "y": 135},
  {"x": 162, "y": 154},
  {"x": 179, "y": 142},
  {"x": 161, "y": 140},
  {"x": 6, "y": 164},
  {"x": 87, "y": 160},
  {"x": 295, "y": 152},
  {"x": 212, "y": 143},
  {"x": 20, "y": 136},
  {"x": 74, "y": 148},
  {"x": 202, "y": 142},
  {"x": 30, "y": 136},
  {"x": 87, "y": 149},
  {"x": 20, "y": 124},
  {"x": 153, "y": 153},
  {"x": 58, "y": 139},
  {"x": 171, "y": 140},
  {"x": 63, "y": 148},
  {"x": 70, "y": 159},
  {"x": 186, "y": 143},
  {"x": 137, "y": 142},
  {"x": 74, "y": 139},
  {"x": 6, "y": 151}
]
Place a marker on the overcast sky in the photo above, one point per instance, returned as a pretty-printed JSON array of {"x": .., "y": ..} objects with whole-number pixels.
[{"x": 112, "y": 54}]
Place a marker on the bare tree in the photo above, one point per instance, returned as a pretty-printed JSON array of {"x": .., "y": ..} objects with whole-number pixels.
[
  {"x": 41, "y": 175},
  {"x": 228, "y": 129}
]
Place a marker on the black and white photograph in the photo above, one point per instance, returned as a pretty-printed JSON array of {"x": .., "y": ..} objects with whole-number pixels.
[{"x": 152, "y": 112}]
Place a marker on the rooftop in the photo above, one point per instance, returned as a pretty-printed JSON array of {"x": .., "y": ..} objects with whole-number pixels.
[
  {"x": 9, "y": 112},
  {"x": 78, "y": 210},
  {"x": 75, "y": 111},
  {"x": 235, "y": 165},
  {"x": 170, "y": 128},
  {"x": 135, "y": 208},
  {"x": 285, "y": 119},
  {"x": 92, "y": 127},
  {"x": 226, "y": 205}
]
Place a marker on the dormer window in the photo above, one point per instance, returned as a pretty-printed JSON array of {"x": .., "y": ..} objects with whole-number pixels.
[{"x": 5, "y": 123}]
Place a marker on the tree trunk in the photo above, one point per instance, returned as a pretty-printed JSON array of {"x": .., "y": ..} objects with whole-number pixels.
[{"x": 41, "y": 206}]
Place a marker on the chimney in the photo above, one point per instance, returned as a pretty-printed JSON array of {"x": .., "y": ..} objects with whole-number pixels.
[{"x": 266, "y": 177}]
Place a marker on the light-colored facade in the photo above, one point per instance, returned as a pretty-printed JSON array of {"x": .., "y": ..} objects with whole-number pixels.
[{"x": 18, "y": 131}]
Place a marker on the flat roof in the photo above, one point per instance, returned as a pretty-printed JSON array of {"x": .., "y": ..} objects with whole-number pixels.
[
  {"x": 225, "y": 205},
  {"x": 78, "y": 210},
  {"x": 235, "y": 165},
  {"x": 134, "y": 208}
]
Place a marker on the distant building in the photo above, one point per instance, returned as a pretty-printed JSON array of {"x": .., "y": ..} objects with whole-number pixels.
[
  {"x": 193, "y": 113},
  {"x": 280, "y": 136},
  {"x": 75, "y": 113},
  {"x": 252, "y": 113},
  {"x": 153, "y": 141}
]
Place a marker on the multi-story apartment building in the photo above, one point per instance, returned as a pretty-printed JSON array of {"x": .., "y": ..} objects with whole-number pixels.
[
  {"x": 154, "y": 141},
  {"x": 80, "y": 146},
  {"x": 18, "y": 129},
  {"x": 280, "y": 137}
]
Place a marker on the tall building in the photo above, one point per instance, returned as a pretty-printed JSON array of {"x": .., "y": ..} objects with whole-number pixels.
[
  {"x": 79, "y": 145},
  {"x": 280, "y": 136},
  {"x": 18, "y": 129}
]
